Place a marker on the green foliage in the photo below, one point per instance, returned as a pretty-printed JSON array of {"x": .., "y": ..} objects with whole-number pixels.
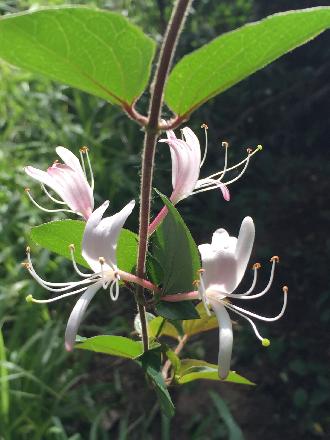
[
  {"x": 177, "y": 310},
  {"x": 234, "y": 431},
  {"x": 56, "y": 236},
  {"x": 113, "y": 345},
  {"x": 4, "y": 382},
  {"x": 205, "y": 323},
  {"x": 96, "y": 51},
  {"x": 194, "y": 369},
  {"x": 234, "y": 56}
]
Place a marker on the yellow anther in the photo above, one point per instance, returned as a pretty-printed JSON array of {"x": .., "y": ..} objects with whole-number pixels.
[
  {"x": 204, "y": 126},
  {"x": 28, "y": 249},
  {"x": 275, "y": 258},
  {"x": 256, "y": 266},
  {"x": 84, "y": 149},
  {"x": 29, "y": 299},
  {"x": 259, "y": 147},
  {"x": 225, "y": 144},
  {"x": 101, "y": 260},
  {"x": 196, "y": 283},
  {"x": 249, "y": 150},
  {"x": 71, "y": 247},
  {"x": 265, "y": 342},
  {"x": 56, "y": 162},
  {"x": 200, "y": 271},
  {"x": 27, "y": 190},
  {"x": 26, "y": 265},
  {"x": 285, "y": 289}
]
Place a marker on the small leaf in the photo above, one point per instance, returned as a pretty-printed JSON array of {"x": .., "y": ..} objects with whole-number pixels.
[
  {"x": 159, "y": 326},
  {"x": 97, "y": 51},
  {"x": 151, "y": 364},
  {"x": 193, "y": 369},
  {"x": 58, "y": 235},
  {"x": 233, "y": 56},
  {"x": 177, "y": 310},
  {"x": 176, "y": 251},
  {"x": 205, "y": 323},
  {"x": 113, "y": 345}
]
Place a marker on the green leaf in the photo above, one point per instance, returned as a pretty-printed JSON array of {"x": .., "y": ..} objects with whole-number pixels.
[
  {"x": 193, "y": 369},
  {"x": 176, "y": 251},
  {"x": 4, "y": 386},
  {"x": 159, "y": 326},
  {"x": 151, "y": 364},
  {"x": 113, "y": 345},
  {"x": 58, "y": 235},
  {"x": 234, "y": 431},
  {"x": 97, "y": 51},
  {"x": 174, "y": 358},
  {"x": 177, "y": 310},
  {"x": 205, "y": 323},
  {"x": 235, "y": 55}
]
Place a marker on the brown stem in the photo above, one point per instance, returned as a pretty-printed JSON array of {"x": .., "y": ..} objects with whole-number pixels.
[
  {"x": 156, "y": 101},
  {"x": 134, "y": 114},
  {"x": 168, "y": 363}
]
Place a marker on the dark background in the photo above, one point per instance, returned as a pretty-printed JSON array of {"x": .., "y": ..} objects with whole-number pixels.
[{"x": 286, "y": 190}]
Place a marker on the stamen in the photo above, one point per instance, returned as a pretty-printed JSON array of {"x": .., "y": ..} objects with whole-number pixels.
[
  {"x": 202, "y": 292},
  {"x": 30, "y": 298},
  {"x": 84, "y": 275},
  {"x": 27, "y": 190},
  {"x": 253, "y": 325},
  {"x": 240, "y": 174},
  {"x": 262, "y": 318},
  {"x": 51, "y": 197},
  {"x": 82, "y": 161},
  {"x": 114, "y": 296},
  {"x": 206, "y": 143},
  {"x": 104, "y": 281},
  {"x": 85, "y": 150}
]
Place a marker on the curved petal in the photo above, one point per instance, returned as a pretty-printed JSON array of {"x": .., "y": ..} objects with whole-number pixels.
[
  {"x": 43, "y": 177},
  {"x": 78, "y": 313},
  {"x": 101, "y": 235},
  {"x": 70, "y": 159},
  {"x": 244, "y": 246},
  {"x": 225, "y": 338},
  {"x": 220, "y": 270}
]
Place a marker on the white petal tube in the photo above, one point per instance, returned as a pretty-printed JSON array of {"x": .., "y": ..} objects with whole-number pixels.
[
  {"x": 225, "y": 338},
  {"x": 77, "y": 315}
]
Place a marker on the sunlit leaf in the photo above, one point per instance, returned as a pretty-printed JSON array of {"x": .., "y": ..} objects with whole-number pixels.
[
  {"x": 58, "y": 235},
  {"x": 97, "y": 51},
  {"x": 205, "y": 323},
  {"x": 228, "y": 59},
  {"x": 113, "y": 345},
  {"x": 193, "y": 369}
]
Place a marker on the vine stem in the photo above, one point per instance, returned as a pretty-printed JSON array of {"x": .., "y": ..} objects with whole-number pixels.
[
  {"x": 151, "y": 133},
  {"x": 168, "y": 363}
]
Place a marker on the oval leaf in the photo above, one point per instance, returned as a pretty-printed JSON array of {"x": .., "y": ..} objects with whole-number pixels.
[
  {"x": 56, "y": 236},
  {"x": 235, "y": 55},
  {"x": 205, "y": 323},
  {"x": 113, "y": 345},
  {"x": 97, "y": 51}
]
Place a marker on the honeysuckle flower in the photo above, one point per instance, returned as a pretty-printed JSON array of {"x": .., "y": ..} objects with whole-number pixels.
[
  {"x": 99, "y": 250},
  {"x": 69, "y": 181},
  {"x": 186, "y": 164},
  {"x": 224, "y": 263}
]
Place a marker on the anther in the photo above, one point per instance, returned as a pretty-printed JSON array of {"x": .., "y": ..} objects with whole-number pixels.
[
  {"x": 28, "y": 249},
  {"x": 285, "y": 289},
  {"x": 71, "y": 247},
  {"x": 249, "y": 150},
  {"x": 204, "y": 126},
  {"x": 265, "y": 342},
  {"x": 196, "y": 283},
  {"x": 259, "y": 148},
  {"x": 225, "y": 144},
  {"x": 84, "y": 149},
  {"x": 256, "y": 266},
  {"x": 56, "y": 162},
  {"x": 29, "y": 299},
  {"x": 200, "y": 271},
  {"x": 27, "y": 190},
  {"x": 26, "y": 265},
  {"x": 275, "y": 258},
  {"x": 101, "y": 260}
]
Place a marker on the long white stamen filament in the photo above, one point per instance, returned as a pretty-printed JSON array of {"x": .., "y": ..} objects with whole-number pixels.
[
  {"x": 206, "y": 143},
  {"x": 223, "y": 172},
  {"x": 90, "y": 169},
  {"x": 202, "y": 292},
  {"x": 84, "y": 275},
  {"x": 51, "y": 197},
  {"x": 27, "y": 190},
  {"x": 256, "y": 266},
  {"x": 263, "y": 292},
  {"x": 254, "y": 315},
  {"x": 82, "y": 160},
  {"x": 114, "y": 295},
  {"x": 104, "y": 280},
  {"x": 240, "y": 174},
  {"x": 57, "y": 298},
  {"x": 59, "y": 289},
  {"x": 253, "y": 325}
]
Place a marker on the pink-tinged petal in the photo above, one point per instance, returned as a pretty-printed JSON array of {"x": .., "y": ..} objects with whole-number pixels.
[
  {"x": 43, "y": 177},
  {"x": 225, "y": 338},
  {"x": 220, "y": 271},
  {"x": 101, "y": 235},
  {"x": 193, "y": 142},
  {"x": 70, "y": 159},
  {"x": 73, "y": 188},
  {"x": 225, "y": 192},
  {"x": 244, "y": 246},
  {"x": 78, "y": 313}
]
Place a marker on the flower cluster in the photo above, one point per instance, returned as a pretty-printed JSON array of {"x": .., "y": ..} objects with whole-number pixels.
[{"x": 224, "y": 260}]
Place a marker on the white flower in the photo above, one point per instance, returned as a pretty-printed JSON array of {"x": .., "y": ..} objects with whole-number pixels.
[
  {"x": 99, "y": 250},
  {"x": 69, "y": 181},
  {"x": 224, "y": 263}
]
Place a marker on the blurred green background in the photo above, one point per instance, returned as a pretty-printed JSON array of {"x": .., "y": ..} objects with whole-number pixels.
[{"x": 53, "y": 395}]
